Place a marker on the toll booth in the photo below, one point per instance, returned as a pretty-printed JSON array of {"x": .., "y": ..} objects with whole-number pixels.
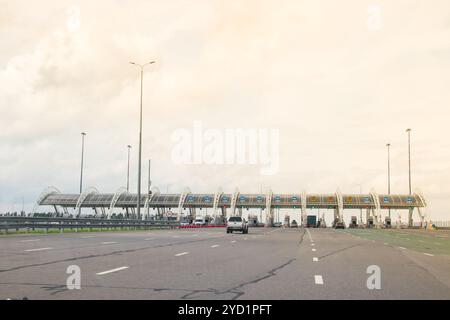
[
  {"x": 353, "y": 222},
  {"x": 387, "y": 222}
]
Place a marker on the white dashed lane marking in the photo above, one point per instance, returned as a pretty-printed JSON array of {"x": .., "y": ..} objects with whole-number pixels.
[
  {"x": 109, "y": 242},
  {"x": 111, "y": 271},
  {"x": 147, "y": 239},
  {"x": 233, "y": 241},
  {"x": 318, "y": 279},
  {"x": 428, "y": 254},
  {"x": 313, "y": 249},
  {"x": 402, "y": 248},
  {"x": 181, "y": 254},
  {"x": 315, "y": 259},
  {"x": 38, "y": 249},
  {"x": 31, "y": 240},
  {"x": 214, "y": 246}
]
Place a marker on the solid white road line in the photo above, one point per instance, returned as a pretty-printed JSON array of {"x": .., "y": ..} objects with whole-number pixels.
[
  {"x": 181, "y": 254},
  {"x": 111, "y": 271},
  {"x": 315, "y": 259},
  {"x": 214, "y": 246},
  {"x": 109, "y": 242},
  {"x": 313, "y": 249},
  {"x": 31, "y": 240},
  {"x": 38, "y": 249},
  {"x": 428, "y": 254},
  {"x": 318, "y": 279}
]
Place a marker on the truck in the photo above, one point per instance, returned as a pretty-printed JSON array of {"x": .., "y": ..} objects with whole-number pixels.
[
  {"x": 353, "y": 222},
  {"x": 237, "y": 224},
  {"x": 201, "y": 221},
  {"x": 311, "y": 221}
]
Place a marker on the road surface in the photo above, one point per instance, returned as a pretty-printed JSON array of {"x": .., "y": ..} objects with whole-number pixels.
[{"x": 266, "y": 263}]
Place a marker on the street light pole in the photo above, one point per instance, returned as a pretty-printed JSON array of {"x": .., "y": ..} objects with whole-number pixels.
[
  {"x": 409, "y": 158},
  {"x": 141, "y": 67},
  {"x": 128, "y": 169},
  {"x": 389, "y": 172},
  {"x": 148, "y": 187},
  {"x": 83, "y": 134},
  {"x": 409, "y": 173},
  {"x": 360, "y": 209}
]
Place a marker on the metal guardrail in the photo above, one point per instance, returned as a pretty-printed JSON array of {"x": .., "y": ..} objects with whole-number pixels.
[{"x": 32, "y": 223}]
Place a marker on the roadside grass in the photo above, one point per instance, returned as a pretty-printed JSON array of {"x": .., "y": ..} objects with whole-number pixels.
[
  {"x": 421, "y": 242},
  {"x": 73, "y": 230}
]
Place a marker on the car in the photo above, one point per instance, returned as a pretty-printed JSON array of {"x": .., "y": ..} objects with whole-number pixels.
[
  {"x": 184, "y": 223},
  {"x": 200, "y": 222},
  {"x": 294, "y": 224},
  {"x": 339, "y": 225},
  {"x": 237, "y": 224},
  {"x": 277, "y": 224}
]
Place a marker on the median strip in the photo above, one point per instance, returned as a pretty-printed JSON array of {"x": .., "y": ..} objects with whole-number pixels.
[{"x": 111, "y": 271}]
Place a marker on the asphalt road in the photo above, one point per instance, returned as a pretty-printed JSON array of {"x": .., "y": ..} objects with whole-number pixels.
[{"x": 210, "y": 264}]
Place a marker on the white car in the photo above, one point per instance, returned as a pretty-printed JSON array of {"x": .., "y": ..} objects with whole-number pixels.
[
  {"x": 237, "y": 224},
  {"x": 199, "y": 222}
]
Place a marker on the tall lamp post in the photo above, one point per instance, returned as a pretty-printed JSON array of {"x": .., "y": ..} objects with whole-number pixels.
[
  {"x": 360, "y": 209},
  {"x": 148, "y": 188},
  {"x": 408, "y": 131},
  {"x": 388, "y": 145},
  {"x": 128, "y": 169},
  {"x": 83, "y": 134},
  {"x": 141, "y": 67}
]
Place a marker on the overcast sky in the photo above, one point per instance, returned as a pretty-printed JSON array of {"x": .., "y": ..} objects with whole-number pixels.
[{"x": 337, "y": 79}]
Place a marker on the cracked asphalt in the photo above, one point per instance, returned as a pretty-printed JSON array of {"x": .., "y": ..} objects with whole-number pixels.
[{"x": 266, "y": 263}]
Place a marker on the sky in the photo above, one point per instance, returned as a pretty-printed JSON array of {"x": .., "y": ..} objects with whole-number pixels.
[{"x": 335, "y": 80}]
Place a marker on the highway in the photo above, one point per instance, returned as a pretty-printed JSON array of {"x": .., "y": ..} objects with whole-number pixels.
[{"x": 266, "y": 263}]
